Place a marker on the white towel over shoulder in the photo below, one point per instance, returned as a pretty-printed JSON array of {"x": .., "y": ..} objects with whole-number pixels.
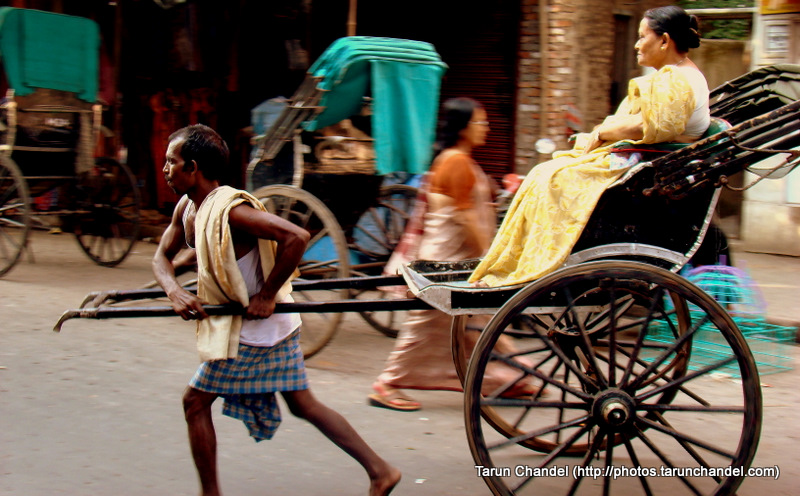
[{"x": 219, "y": 279}]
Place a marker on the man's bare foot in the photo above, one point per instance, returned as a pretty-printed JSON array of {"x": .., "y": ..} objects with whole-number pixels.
[
  {"x": 383, "y": 485},
  {"x": 478, "y": 284}
]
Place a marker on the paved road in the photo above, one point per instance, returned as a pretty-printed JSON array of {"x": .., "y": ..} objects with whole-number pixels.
[{"x": 95, "y": 410}]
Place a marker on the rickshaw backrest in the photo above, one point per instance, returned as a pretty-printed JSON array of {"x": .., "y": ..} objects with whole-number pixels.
[
  {"x": 717, "y": 125},
  {"x": 52, "y": 51}
]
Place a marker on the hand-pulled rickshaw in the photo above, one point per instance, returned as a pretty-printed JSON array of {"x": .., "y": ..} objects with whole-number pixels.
[
  {"x": 628, "y": 403},
  {"x": 337, "y": 157},
  {"x": 51, "y": 124}
]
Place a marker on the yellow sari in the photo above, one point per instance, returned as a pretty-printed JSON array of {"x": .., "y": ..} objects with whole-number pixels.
[{"x": 554, "y": 202}]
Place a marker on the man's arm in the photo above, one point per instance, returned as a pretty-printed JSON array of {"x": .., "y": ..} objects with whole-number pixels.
[
  {"x": 186, "y": 304},
  {"x": 291, "y": 244}
]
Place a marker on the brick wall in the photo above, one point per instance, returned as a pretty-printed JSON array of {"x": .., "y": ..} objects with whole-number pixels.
[
  {"x": 528, "y": 86},
  {"x": 576, "y": 72}
]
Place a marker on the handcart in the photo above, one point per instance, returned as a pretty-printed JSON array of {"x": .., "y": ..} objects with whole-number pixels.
[
  {"x": 628, "y": 401},
  {"x": 348, "y": 201},
  {"x": 51, "y": 124}
]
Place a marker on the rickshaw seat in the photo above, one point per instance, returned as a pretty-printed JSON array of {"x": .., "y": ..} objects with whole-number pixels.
[{"x": 51, "y": 51}]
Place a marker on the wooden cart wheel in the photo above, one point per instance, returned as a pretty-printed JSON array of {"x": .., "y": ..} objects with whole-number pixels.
[
  {"x": 461, "y": 344},
  {"x": 106, "y": 217},
  {"x": 376, "y": 235},
  {"x": 380, "y": 228},
  {"x": 618, "y": 390},
  {"x": 389, "y": 322},
  {"x": 465, "y": 329},
  {"x": 15, "y": 213},
  {"x": 326, "y": 256}
]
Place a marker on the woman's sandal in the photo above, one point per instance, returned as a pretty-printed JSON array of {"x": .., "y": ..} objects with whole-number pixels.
[{"x": 393, "y": 399}]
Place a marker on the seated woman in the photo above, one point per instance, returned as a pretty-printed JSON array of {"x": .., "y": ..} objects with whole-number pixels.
[{"x": 554, "y": 202}]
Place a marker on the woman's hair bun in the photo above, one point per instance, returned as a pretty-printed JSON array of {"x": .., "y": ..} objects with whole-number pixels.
[
  {"x": 693, "y": 37},
  {"x": 683, "y": 28}
]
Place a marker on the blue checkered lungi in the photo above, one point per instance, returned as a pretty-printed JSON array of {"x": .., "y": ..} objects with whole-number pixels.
[{"x": 248, "y": 383}]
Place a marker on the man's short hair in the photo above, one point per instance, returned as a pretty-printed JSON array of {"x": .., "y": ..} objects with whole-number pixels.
[{"x": 206, "y": 147}]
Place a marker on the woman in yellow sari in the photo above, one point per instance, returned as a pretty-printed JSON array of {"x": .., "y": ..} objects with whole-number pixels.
[{"x": 557, "y": 197}]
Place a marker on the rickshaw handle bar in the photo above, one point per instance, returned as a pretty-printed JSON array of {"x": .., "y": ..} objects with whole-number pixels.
[
  {"x": 338, "y": 306},
  {"x": 96, "y": 298}
]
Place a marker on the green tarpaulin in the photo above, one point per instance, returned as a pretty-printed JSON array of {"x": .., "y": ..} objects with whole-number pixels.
[
  {"x": 402, "y": 77},
  {"x": 45, "y": 50}
]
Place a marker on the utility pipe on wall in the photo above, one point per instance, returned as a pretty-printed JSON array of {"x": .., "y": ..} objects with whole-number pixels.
[
  {"x": 544, "y": 67},
  {"x": 351, "y": 18}
]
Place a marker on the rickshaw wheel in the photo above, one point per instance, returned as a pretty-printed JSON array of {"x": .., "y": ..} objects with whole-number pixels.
[
  {"x": 106, "y": 218},
  {"x": 463, "y": 338},
  {"x": 15, "y": 213},
  {"x": 326, "y": 256},
  {"x": 376, "y": 235},
  {"x": 619, "y": 387}
]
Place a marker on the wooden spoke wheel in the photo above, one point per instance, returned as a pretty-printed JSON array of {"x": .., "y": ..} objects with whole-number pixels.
[
  {"x": 15, "y": 213},
  {"x": 106, "y": 217},
  {"x": 387, "y": 323},
  {"x": 376, "y": 235},
  {"x": 326, "y": 256},
  {"x": 627, "y": 382},
  {"x": 380, "y": 228},
  {"x": 465, "y": 331}
]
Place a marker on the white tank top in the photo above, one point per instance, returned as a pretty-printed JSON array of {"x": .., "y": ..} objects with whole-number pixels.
[{"x": 272, "y": 330}]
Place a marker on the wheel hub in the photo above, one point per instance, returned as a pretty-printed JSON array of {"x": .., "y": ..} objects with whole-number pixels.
[{"x": 613, "y": 409}]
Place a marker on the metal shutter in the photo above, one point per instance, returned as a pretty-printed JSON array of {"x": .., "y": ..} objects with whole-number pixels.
[{"x": 483, "y": 67}]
